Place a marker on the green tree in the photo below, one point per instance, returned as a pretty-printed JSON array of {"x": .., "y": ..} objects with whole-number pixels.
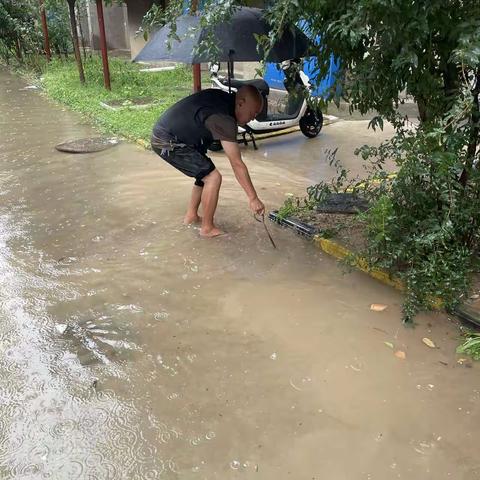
[
  {"x": 58, "y": 26},
  {"x": 19, "y": 32},
  {"x": 20, "y": 29}
]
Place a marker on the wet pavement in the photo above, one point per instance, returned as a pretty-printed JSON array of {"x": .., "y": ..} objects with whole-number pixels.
[{"x": 132, "y": 349}]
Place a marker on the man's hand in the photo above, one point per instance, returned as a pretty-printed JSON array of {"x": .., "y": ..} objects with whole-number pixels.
[
  {"x": 257, "y": 207},
  {"x": 243, "y": 177}
]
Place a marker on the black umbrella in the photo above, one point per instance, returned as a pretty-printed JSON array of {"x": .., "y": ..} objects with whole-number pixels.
[{"x": 235, "y": 39}]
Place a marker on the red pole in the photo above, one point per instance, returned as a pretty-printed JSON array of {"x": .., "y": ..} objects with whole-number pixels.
[
  {"x": 197, "y": 73},
  {"x": 46, "y": 39},
  {"x": 197, "y": 78},
  {"x": 103, "y": 45}
]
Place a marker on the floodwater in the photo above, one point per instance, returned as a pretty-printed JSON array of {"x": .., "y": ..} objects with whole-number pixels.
[{"x": 132, "y": 349}]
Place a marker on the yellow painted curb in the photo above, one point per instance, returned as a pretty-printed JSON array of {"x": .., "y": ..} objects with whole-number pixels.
[
  {"x": 341, "y": 253},
  {"x": 390, "y": 176}
]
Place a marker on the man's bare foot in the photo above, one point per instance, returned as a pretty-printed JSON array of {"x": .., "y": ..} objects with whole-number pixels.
[
  {"x": 189, "y": 219},
  {"x": 211, "y": 232}
]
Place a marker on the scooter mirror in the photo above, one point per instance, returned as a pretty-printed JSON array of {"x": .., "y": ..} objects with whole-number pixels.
[{"x": 214, "y": 67}]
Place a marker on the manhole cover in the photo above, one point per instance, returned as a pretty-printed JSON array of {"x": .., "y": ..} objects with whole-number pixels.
[
  {"x": 343, "y": 203},
  {"x": 87, "y": 145}
]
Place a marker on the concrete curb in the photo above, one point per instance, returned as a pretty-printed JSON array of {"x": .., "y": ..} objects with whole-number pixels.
[{"x": 340, "y": 252}]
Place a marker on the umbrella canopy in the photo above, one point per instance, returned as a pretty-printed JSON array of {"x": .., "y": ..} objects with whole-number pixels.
[{"x": 235, "y": 39}]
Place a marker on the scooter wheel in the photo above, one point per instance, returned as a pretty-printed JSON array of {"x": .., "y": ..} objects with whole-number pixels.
[
  {"x": 311, "y": 123},
  {"x": 216, "y": 146}
]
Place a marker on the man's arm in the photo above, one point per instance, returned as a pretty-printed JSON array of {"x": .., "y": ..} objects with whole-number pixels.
[{"x": 241, "y": 174}]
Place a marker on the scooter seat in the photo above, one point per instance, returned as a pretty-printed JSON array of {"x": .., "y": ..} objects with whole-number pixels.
[{"x": 260, "y": 83}]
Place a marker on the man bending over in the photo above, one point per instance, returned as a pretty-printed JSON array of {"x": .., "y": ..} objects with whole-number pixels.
[{"x": 183, "y": 134}]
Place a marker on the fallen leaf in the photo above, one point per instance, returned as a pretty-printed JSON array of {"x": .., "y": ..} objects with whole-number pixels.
[
  {"x": 400, "y": 354},
  {"x": 428, "y": 342},
  {"x": 388, "y": 344},
  {"x": 378, "y": 307}
]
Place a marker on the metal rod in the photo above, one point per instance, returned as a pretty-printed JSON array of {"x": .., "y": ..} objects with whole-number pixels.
[
  {"x": 103, "y": 45},
  {"x": 46, "y": 39}
]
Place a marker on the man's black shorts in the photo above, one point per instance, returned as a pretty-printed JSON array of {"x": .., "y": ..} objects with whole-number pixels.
[{"x": 188, "y": 160}]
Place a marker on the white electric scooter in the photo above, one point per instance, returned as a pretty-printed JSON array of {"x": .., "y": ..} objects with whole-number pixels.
[{"x": 285, "y": 112}]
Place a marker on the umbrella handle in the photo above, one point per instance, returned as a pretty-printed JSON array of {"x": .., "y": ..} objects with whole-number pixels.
[{"x": 230, "y": 70}]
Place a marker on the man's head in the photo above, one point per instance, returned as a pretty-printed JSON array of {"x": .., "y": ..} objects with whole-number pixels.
[{"x": 248, "y": 104}]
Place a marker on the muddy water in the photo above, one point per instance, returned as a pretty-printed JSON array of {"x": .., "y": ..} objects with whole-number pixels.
[{"x": 132, "y": 349}]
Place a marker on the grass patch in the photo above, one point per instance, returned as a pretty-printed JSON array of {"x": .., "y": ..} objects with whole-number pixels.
[
  {"x": 60, "y": 82},
  {"x": 471, "y": 346}
]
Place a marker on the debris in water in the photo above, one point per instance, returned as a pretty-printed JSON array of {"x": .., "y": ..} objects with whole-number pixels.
[
  {"x": 61, "y": 328},
  {"x": 160, "y": 315},
  {"x": 273, "y": 356},
  {"x": 294, "y": 386},
  {"x": 428, "y": 342},
  {"x": 94, "y": 384},
  {"x": 400, "y": 354},
  {"x": 389, "y": 344},
  {"x": 378, "y": 307}
]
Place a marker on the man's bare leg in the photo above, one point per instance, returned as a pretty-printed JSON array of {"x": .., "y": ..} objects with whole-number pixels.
[
  {"x": 192, "y": 213},
  {"x": 209, "y": 204}
]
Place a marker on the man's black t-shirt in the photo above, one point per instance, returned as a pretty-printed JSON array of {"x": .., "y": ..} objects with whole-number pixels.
[{"x": 199, "y": 119}]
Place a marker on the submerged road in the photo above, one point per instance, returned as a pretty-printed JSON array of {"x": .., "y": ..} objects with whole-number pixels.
[{"x": 130, "y": 348}]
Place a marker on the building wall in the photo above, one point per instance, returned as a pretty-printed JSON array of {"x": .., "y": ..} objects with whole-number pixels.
[
  {"x": 116, "y": 28},
  {"x": 136, "y": 9}
]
